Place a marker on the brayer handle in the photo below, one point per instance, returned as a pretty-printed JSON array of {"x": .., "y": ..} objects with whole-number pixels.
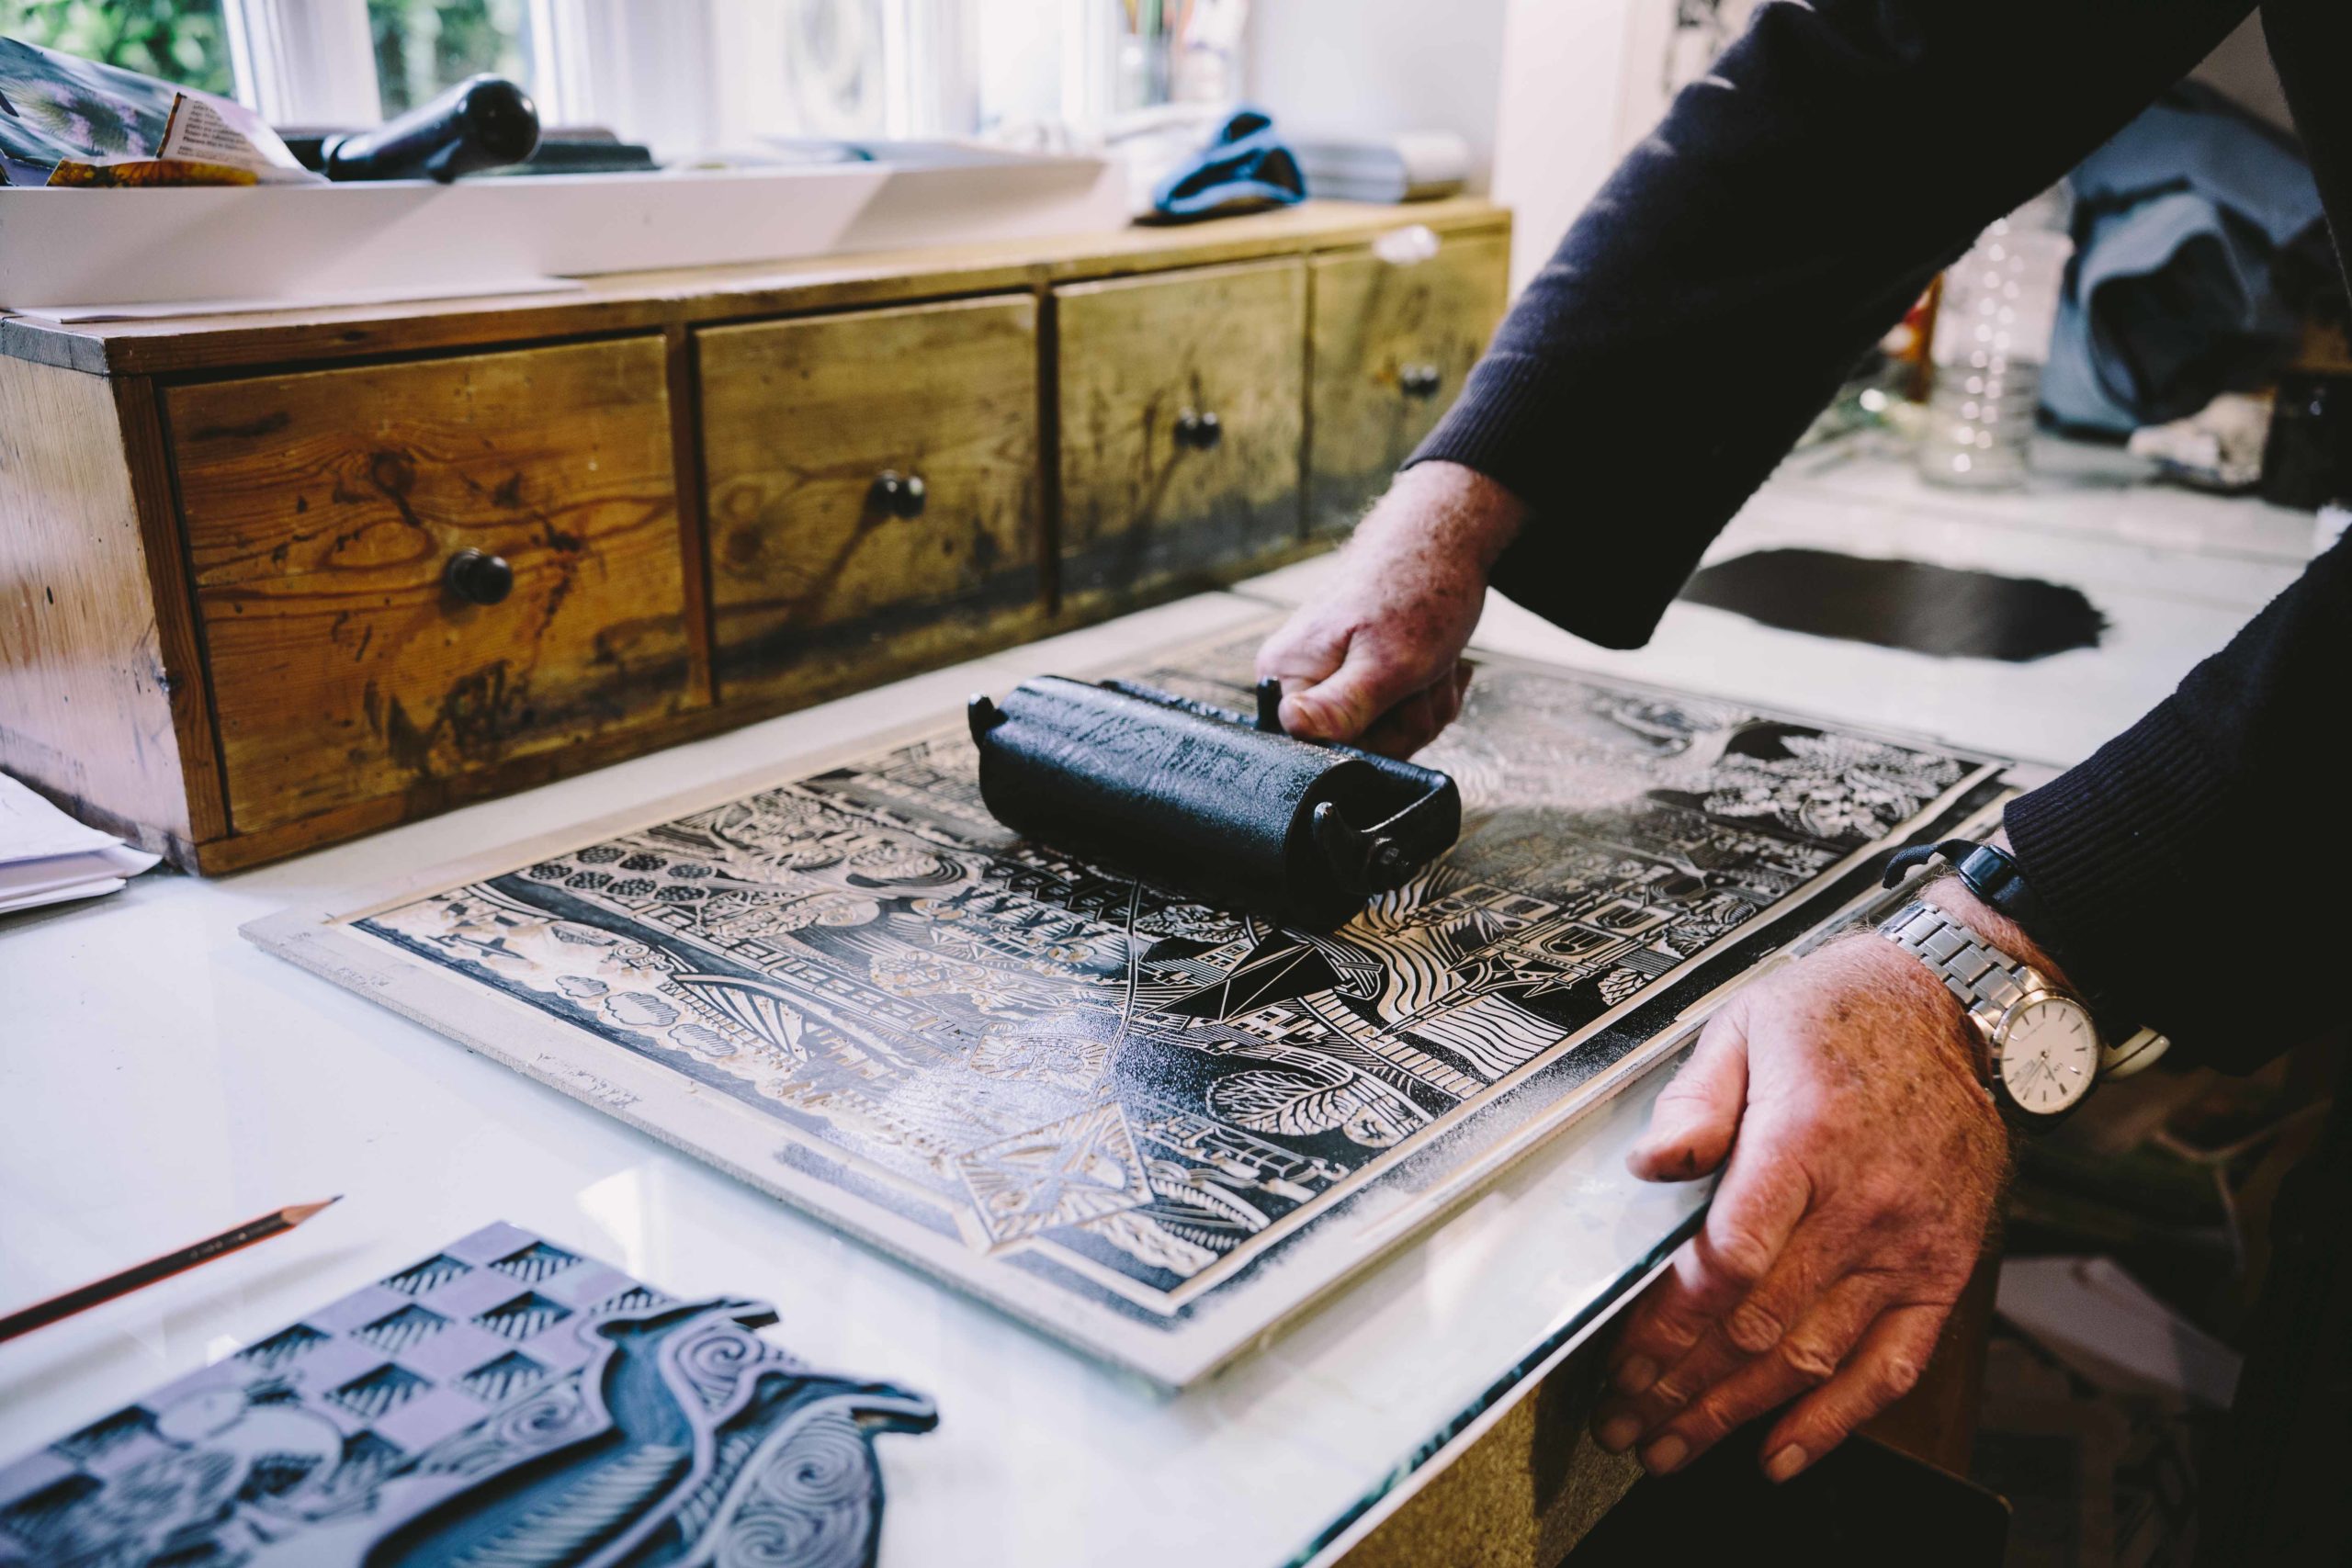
[
  {"x": 1388, "y": 854},
  {"x": 1384, "y": 857}
]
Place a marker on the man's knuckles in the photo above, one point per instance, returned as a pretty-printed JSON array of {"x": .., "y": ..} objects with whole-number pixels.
[
  {"x": 1732, "y": 1259},
  {"x": 1753, "y": 1328},
  {"x": 1664, "y": 1333},
  {"x": 1672, "y": 1390},
  {"x": 1808, "y": 1360},
  {"x": 1893, "y": 1377}
]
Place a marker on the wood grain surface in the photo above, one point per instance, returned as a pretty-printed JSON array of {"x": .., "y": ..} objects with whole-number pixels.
[
  {"x": 1379, "y": 329},
  {"x": 85, "y": 678},
  {"x": 1142, "y": 513},
  {"x": 322, "y": 511},
  {"x": 816, "y": 585}
]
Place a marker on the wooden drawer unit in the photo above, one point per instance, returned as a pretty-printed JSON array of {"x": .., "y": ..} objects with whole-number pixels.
[
  {"x": 251, "y": 564},
  {"x": 872, "y": 482},
  {"x": 354, "y": 651},
  {"x": 1182, "y": 402},
  {"x": 1389, "y": 346}
]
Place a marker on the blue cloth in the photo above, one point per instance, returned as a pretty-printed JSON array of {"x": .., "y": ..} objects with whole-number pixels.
[
  {"x": 1245, "y": 167},
  {"x": 2180, "y": 222}
]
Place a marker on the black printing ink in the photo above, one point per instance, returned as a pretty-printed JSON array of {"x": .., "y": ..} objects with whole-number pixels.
[{"x": 1936, "y": 610}]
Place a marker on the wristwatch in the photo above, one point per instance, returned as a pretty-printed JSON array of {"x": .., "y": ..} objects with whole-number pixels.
[
  {"x": 1990, "y": 872},
  {"x": 2044, "y": 1048},
  {"x": 1994, "y": 875}
]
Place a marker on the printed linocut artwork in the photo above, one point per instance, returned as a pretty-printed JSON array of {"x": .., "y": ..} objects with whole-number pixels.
[
  {"x": 1151, "y": 1127},
  {"x": 499, "y": 1402}
]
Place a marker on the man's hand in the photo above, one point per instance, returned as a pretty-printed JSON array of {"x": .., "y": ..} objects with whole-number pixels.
[
  {"x": 1378, "y": 660},
  {"x": 1864, "y": 1160}
]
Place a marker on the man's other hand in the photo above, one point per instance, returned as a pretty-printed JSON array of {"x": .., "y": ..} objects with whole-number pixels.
[
  {"x": 1861, "y": 1159},
  {"x": 1378, "y": 660}
]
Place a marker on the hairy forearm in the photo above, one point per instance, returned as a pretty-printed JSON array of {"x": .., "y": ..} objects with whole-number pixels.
[{"x": 1438, "y": 517}]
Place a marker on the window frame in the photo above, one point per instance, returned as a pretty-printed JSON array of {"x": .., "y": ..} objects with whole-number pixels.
[{"x": 661, "y": 70}]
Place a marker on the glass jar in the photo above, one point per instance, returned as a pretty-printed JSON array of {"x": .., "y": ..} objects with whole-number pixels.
[{"x": 1992, "y": 338}]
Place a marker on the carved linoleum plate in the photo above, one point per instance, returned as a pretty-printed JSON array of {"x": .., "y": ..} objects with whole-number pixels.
[
  {"x": 501, "y": 1400},
  {"x": 1150, "y": 1127}
]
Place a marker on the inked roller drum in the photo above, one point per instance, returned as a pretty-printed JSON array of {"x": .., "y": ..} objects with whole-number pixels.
[{"x": 1202, "y": 801}]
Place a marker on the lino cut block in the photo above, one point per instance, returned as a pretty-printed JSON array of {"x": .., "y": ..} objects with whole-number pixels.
[
  {"x": 493, "y": 1241},
  {"x": 467, "y": 1296},
  {"x": 358, "y": 1309},
  {"x": 452, "y": 1350},
  {"x": 437, "y": 1413},
  {"x": 408, "y": 1421},
  {"x": 587, "y": 1287}
]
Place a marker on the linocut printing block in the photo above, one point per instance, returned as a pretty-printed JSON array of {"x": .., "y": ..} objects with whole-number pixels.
[{"x": 1209, "y": 801}]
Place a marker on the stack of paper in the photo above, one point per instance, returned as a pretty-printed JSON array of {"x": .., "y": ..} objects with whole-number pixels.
[
  {"x": 2112, "y": 1331},
  {"x": 46, "y": 857}
]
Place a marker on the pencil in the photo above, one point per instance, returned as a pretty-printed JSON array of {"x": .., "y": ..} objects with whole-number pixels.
[{"x": 41, "y": 1314}]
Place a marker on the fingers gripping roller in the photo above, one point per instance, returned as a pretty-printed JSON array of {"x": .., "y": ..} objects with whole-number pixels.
[{"x": 1209, "y": 802}]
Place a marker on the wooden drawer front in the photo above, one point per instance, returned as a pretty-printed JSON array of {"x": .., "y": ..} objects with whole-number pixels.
[
  {"x": 1391, "y": 344},
  {"x": 822, "y": 576},
  {"x": 322, "y": 512},
  {"x": 1146, "y": 503}
]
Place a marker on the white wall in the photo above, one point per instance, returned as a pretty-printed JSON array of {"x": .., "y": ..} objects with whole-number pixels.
[
  {"x": 1580, "y": 83},
  {"x": 2241, "y": 68},
  {"x": 1549, "y": 93},
  {"x": 1367, "y": 65}
]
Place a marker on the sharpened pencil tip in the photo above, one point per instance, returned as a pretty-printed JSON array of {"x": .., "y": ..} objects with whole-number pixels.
[{"x": 295, "y": 1214}]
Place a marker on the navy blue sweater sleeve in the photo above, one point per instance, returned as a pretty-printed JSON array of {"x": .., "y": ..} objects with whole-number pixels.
[
  {"x": 1700, "y": 312},
  {"x": 2192, "y": 869},
  {"x": 1783, "y": 215}
]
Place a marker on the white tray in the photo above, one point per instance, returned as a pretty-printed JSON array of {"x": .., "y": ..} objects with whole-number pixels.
[{"x": 72, "y": 251}]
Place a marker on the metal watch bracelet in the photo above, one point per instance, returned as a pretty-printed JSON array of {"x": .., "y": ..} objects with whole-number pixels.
[{"x": 1987, "y": 981}]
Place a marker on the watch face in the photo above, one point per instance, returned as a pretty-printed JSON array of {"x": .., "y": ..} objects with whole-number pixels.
[{"x": 2049, "y": 1055}]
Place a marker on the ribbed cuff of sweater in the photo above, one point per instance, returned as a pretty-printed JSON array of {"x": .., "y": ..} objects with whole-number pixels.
[
  {"x": 1506, "y": 397},
  {"x": 1519, "y": 425},
  {"x": 2101, "y": 846}
]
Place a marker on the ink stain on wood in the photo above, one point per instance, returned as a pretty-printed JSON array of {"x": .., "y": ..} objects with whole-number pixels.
[{"x": 1943, "y": 612}]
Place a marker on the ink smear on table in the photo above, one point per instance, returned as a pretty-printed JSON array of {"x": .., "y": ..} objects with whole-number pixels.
[{"x": 1936, "y": 610}]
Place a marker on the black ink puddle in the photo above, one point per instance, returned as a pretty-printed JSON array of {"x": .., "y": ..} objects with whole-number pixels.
[{"x": 1934, "y": 610}]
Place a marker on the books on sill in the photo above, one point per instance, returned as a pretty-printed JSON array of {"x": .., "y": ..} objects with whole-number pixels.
[
  {"x": 1403, "y": 166},
  {"x": 46, "y": 857}
]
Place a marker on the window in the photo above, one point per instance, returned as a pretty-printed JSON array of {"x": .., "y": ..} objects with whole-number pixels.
[
  {"x": 690, "y": 77},
  {"x": 180, "y": 40},
  {"x": 422, "y": 46}
]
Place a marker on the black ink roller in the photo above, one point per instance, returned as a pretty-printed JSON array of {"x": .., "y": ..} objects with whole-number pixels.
[
  {"x": 1204, "y": 801},
  {"x": 483, "y": 122}
]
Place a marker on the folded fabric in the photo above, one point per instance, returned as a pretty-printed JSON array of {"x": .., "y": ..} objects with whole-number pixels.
[
  {"x": 1245, "y": 167},
  {"x": 2181, "y": 223}
]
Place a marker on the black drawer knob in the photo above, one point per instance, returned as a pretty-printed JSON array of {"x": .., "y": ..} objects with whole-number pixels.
[
  {"x": 1419, "y": 380},
  {"x": 898, "y": 495},
  {"x": 479, "y": 578},
  {"x": 1199, "y": 429}
]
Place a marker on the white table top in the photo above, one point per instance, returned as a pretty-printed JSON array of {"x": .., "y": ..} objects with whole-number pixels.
[{"x": 161, "y": 1078}]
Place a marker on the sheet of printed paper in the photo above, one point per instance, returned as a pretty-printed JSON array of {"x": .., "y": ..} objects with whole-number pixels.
[{"x": 1148, "y": 1124}]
